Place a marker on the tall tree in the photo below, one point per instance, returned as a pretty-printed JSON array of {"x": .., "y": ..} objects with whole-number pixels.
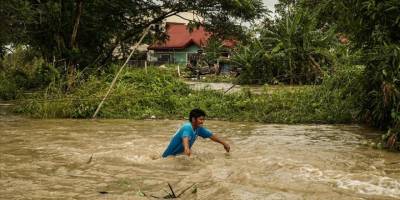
[{"x": 86, "y": 32}]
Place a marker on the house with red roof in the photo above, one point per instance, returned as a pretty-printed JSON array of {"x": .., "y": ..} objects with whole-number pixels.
[{"x": 181, "y": 44}]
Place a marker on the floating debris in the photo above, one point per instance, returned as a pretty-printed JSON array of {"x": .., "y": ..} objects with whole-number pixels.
[
  {"x": 140, "y": 193},
  {"x": 194, "y": 191},
  {"x": 172, "y": 191},
  {"x": 90, "y": 159},
  {"x": 171, "y": 194}
]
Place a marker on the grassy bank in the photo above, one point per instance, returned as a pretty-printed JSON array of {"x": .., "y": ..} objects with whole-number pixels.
[{"x": 158, "y": 93}]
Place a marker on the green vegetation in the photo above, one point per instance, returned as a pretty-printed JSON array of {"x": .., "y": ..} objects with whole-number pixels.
[
  {"x": 311, "y": 41},
  {"x": 290, "y": 49},
  {"x": 24, "y": 70},
  {"x": 158, "y": 93},
  {"x": 372, "y": 27}
]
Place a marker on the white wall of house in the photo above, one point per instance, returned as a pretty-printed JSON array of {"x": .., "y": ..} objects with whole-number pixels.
[{"x": 183, "y": 16}]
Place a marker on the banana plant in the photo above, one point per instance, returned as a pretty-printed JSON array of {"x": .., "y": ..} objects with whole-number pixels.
[{"x": 302, "y": 48}]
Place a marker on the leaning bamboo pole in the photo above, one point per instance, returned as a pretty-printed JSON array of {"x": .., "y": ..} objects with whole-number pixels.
[{"x": 145, "y": 32}]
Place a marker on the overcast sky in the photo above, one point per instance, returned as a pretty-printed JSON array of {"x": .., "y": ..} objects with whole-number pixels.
[{"x": 270, "y": 4}]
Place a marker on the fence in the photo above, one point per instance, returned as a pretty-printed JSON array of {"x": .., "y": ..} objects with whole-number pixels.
[{"x": 144, "y": 63}]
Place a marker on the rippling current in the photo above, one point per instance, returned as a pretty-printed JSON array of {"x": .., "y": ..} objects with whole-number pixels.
[{"x": 120, "y": 159}]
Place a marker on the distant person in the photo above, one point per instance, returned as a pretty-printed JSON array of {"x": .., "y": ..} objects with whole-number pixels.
[{"x": 185, "y": 137}]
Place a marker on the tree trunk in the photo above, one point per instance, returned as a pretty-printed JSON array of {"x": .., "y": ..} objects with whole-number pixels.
[
  {"x": 78, "y": 13},
  {"x": 73, "y": 44},
  {"x": 316, "y": 66}
]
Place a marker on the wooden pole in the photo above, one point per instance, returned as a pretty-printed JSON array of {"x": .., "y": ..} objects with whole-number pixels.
[
  {"x": 179, "y": 71},
  {"x": 145, "y": 66},
  {"x": 120, "y": 70}
]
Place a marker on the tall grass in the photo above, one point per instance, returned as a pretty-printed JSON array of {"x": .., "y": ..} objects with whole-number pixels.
[
  {"x": 24, "y": 70},
  {"x": 158, "y": 93}
]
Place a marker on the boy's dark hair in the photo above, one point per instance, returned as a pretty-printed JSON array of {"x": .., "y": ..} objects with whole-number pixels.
[{"x": 196, "y": 113}]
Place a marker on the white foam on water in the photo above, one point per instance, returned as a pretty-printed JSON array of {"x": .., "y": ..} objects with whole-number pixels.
[
  {"x": 367, "y": 184},
  {"x": 377, "y": 185},
  {"x": 139, "y": 158},
  {"x": 310, "y": 172}
]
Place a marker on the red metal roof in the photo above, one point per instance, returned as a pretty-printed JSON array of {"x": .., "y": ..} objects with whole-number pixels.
[{"x": 179, "y": 37}]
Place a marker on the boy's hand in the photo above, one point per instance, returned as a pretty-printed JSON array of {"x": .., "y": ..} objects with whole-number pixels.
[
  {"x": 227, "y": 147},
  {"x": 187, "y": 152},
  {"x": 186, "y": 147}
]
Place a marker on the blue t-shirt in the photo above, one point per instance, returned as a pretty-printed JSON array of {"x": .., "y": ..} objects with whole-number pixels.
[{"x": 176, "y": 146}]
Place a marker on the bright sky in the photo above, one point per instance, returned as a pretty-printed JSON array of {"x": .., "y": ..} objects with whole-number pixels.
[{"x": 270, "y": 4}]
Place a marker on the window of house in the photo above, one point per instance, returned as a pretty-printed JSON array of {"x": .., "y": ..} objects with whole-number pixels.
[
  {"x": 164, "y": 57},
  {"x": 192, "y": 58}
]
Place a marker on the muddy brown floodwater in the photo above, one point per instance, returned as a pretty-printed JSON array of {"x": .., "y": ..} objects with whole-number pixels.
[{"x": 50, "y": 159}]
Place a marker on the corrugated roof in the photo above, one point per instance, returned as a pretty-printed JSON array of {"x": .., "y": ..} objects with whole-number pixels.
[{"x": 179, "y": 37}]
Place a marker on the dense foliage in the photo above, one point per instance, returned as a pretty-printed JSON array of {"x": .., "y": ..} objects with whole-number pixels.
[
  {"x": 373, "y": 28},
  {"x": 289, "y": 49},
  {"x": 311, "y": 40}
]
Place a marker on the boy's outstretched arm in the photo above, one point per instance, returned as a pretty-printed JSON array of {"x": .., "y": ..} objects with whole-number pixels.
[
  {"x": 216, "y": 139},
  {"x": 186, "y": 148}
]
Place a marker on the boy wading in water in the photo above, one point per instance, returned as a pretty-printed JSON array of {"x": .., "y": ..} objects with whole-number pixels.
[{"x": 185, "y": 137}]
